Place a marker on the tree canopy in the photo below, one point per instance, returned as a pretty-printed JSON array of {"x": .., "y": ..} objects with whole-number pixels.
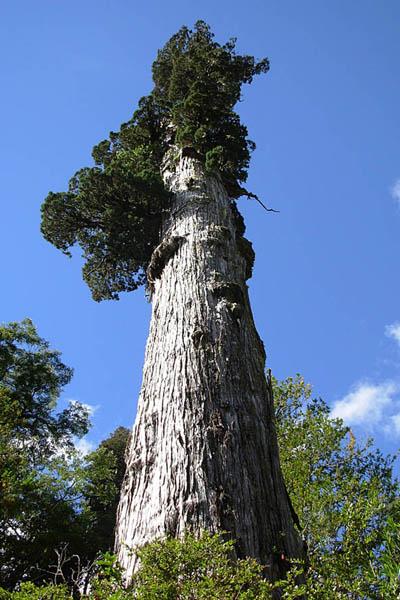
[
  {"x": 102, "y": 478},
  {"x": 114, "y": 210},
  {"x": 345, "y": 495},
  {"x": 33, "y": 439},
  {"x": 51, "y": 498},
  {"x": 32, "y": 377}
]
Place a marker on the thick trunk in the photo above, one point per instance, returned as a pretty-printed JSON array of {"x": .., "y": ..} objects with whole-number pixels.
[{"x": 204, "y": 451}]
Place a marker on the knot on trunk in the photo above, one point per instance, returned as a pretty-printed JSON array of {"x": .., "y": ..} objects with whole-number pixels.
[
  {"x": 235, "y": 309},
  {"x": 219, "y": 232},
  {"x": 232, "y": 295},
  {"x": 161, "y": 255},
  {"x": 190, "y": 152}
]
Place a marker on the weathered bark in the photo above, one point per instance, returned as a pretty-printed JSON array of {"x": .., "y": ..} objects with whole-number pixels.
[{"x": 204, "y": 451}]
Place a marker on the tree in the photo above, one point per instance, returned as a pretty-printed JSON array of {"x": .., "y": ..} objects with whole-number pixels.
[
  {"x": 90, "y": 486},
  {"x": 35, "y": 503},
  {"x": 345, "y": 496},
  {"x": 102, "y": 481},
  {"x": 50, "y": 498},
  {"x": 159, "y": 208}
]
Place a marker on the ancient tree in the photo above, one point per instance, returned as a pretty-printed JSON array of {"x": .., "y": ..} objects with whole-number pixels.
[{"x": 159, "y": 208}]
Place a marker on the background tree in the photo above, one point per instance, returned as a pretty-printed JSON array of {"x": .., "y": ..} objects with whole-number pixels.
[
  {"x": 35, "y": 507},
  {"x": 345, "y": 496},
  {"x": 50, "y": 497},
  {"x": 102, "y": 481}
]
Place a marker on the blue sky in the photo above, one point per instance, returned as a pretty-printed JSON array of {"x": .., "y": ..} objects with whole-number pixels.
[{"x": 326, "y": 121}]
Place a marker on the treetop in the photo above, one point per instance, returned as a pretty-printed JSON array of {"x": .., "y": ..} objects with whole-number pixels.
[{"x": 114, "y": 209}]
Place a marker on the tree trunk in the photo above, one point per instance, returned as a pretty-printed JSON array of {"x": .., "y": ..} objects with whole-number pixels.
[{"x": 204, "y": 453}]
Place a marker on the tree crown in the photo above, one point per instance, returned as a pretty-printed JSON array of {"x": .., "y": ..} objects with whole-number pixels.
[
  {"x": 36, "y": 445},
  {"x": 32, "y": 377},
  {"x": 114, "y": 210}
]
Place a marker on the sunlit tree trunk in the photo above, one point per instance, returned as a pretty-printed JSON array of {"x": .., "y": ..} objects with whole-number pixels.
[{"x": 204, "y": 453}]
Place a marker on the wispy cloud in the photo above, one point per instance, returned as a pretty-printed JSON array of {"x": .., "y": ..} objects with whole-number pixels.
[
  {"x": 395, "y": 423},
  {"x": 393, "y": 331},
  {"x": 84, "y": 446},
  {"x": 395, "y": 191},
  {"x": 368, "y": 404},
  {"x": 91, "y": 408}
]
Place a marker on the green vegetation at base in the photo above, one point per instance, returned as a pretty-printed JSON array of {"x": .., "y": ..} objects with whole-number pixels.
[
  {"x": 57, "y": 508},
  {"x": 187, "y": 569}
]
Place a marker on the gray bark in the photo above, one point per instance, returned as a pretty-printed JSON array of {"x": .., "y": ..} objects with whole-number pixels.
[{"x": 204, "y": 453}]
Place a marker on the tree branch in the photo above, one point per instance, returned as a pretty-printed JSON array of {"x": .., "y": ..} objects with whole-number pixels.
[{"x": 251, "y": 195}]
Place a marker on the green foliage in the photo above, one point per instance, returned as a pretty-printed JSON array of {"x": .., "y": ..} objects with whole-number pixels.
[
  {"x": 205, "y": 569},
  {"x": 29, "y": 591},
  {"x": 108, "y": 581},
  {"x": 198, "y": 82},
  {"x": 67, "y": 506},
  {"x": 200, "y": 568},
  {"x": 114, "y": 210},
  {"x": 102, "y": 480},
  {"x": 188, "y": 569},
  {"x": 345, "y": 496},
  {"x": 387, "y": 573},
  {"x": 343, "y": 492},
  {"x": 49, "y": 496},
  {"x": 35, "y": 502},
  {"x": 31, "y": 379},
  {"x": 114, "y": 214}
]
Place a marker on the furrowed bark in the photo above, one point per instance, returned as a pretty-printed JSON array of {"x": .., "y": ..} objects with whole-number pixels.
[{"x": 204, "y": 453}]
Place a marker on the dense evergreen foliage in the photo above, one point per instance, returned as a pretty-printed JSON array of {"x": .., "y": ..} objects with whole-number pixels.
[
  {"x": 114, "y": 210},
  {"x": 31, "y": 379}
]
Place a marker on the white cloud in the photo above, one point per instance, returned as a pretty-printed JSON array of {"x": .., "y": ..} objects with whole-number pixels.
[
  {"x": 393, "y": 331},
  {"x": 365, "y": 404},
  {"x": 91, "y": 408},
  {"x": 395, "y": 422},
  {"x": 395, "y": 191},
  {"x": 84, "y": 446}
]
